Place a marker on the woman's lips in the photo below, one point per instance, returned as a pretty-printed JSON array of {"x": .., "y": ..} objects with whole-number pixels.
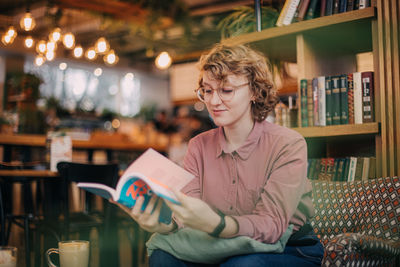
[{"x": 218, "y": 111}]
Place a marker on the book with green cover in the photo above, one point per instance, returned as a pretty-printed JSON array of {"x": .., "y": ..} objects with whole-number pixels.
[
  {"x": 335, "y": 100},
  {"x": 344, "y": 106},
  {"x": 303, "y": 99},
  {"x": 328, "y": 100}
]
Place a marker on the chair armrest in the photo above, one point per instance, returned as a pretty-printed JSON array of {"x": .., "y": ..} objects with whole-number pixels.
[{"x": 345, "y": 248}]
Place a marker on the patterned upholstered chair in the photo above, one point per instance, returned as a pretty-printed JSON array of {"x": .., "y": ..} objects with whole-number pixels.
[{"x": 358, "y": 222}]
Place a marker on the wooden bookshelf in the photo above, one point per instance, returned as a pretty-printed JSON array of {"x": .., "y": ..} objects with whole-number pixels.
[
  {"x": 339, "y": 130},
  {"x": 328, "y": 46}
]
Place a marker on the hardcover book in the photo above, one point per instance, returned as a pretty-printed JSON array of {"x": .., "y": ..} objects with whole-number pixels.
[
  {"x": 151, "y": 173},
  {"x": 344, "y": 107},
  {"x": 328, "y": 100},
  {"x": 335, "y": 100},
  {"x": 357, "y": 95},
  {"x": 368, "y": 96},
  {"x": 303, "y": 99},
  {"x": 314, "y": 83},
  {"x": 329, "y": 7},
  {"x": 311, "y": 9},
  {"x": 350, "y": 99},
  {"x": 310, "y": 104},
  {"x": 321, "y": 101}
]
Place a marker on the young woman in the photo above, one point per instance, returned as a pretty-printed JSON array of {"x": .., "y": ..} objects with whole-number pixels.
[{"x": 250, "y": 175}]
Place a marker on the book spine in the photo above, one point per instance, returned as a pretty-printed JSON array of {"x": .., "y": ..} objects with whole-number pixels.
[
  {"x": 350, "y": 97},
  {"x": 329, "y": 7},
  {"x": 322, "y": 170},
  {"x": 296, "y": 14},
  {"x": 345, "y": 173},
  {"x": 321, "y": 101},
  {"x": 368, "y": 94},
  {"x": 303, "y": 101},
  {"x": 335, "y": 169},
  {"x": 372, "y": 168},
  {"x": 323, "y": 8},
  {"x": 352, "y": 169},
  {"x": 335, "y": 100},
  {"x": 365, "y": 169},
  {"x": 350, "y": 5},
  {"x": 311, "y": 9},
  {"x": 290, "y": 12},
  {"x": 282, "y": 15},
  {"x": 342, "y": 6},
  {"x": 363, "y": 4},
  {"x": 344, "y": 108},
  {"x": 336, "y": 4},
  {"x": 328, "y": 100},
  {"x": 303, "y": 10},
  {"x": 356, "y": 4},
  {"x": 310, "y": 104},
  {"x": 359, "y": 169},
  {"x": 330, "y": 168},
  {"x": 357, "y": 87},
  {"x": 315, "y": 100}
]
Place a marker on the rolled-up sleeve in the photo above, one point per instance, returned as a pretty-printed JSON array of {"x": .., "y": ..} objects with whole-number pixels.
[{"x": 281, "y": 195}]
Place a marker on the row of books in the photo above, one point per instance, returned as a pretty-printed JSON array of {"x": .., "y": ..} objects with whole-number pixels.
[
  {"x": 339, "y": 99},
  {"x": 342, "y": 169},
  {"x": 298, "y": 10},
  {"x": 286, "y": 115}
]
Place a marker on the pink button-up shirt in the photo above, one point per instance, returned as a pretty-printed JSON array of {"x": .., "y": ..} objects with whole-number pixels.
[{"x": 263, "y": 184}]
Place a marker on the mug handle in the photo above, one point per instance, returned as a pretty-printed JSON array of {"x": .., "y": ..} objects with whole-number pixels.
[{"x": 48, "y": 253}]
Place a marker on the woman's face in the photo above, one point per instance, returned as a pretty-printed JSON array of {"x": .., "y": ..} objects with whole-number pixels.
[{"x": 232, "y": 112}]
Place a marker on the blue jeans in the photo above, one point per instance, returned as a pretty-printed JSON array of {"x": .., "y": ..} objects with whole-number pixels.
[{"x": 298, "y": 256}]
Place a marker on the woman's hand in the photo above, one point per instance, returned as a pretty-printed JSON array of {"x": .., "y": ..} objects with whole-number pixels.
[
  {"x": 147, "y": 219},
  {"x": 194, "y": 213}
]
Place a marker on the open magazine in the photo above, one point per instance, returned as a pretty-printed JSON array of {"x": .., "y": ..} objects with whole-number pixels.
[{"x": 151, "y": 173}]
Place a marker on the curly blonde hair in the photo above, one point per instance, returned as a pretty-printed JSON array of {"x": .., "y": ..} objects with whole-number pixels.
[{"x": 223, "y": 60}]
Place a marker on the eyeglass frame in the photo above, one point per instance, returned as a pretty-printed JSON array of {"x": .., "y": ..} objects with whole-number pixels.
[{"x": 234, "y": 88}]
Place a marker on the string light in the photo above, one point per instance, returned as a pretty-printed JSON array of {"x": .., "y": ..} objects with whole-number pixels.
[
  {"x": 78, "y": 51},
  {"x": 39, "y": 60},
  {"x": 163, "y": 60},
  {"x": 27, "y": 22},
  {"x": 101, "y": 46},
  {"x": 91, "y": 53},
  {"x": 28, "y": 42},
  {"x": 111, "y": 58},
  {"x": 55, "y": 35},
  {"x": 9, "y": 36},
  {"x": 50, "y": 55},
  {"x": 41, "y": 47},
  {"x": 69, "y": 40}
]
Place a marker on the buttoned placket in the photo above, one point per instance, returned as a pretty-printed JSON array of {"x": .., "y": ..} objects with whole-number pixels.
[{"x": 233, "y": 188}]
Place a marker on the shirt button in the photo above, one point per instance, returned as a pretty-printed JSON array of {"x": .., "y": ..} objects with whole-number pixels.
[
  {"x": 230, "y": 207},
  {"x": 233, "y": 182}
]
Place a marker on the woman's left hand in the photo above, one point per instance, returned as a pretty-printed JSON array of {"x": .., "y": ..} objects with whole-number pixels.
[{"x": 194, "y": 213}]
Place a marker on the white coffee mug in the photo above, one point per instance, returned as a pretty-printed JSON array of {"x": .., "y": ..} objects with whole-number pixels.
[{"x": 73, "y": 253}]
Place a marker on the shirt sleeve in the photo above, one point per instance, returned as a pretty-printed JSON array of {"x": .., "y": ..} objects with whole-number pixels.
[{"x": 280, "y": 196}]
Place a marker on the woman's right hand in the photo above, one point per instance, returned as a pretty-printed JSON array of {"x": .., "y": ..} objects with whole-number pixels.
[{"x": 147, "y": 219}]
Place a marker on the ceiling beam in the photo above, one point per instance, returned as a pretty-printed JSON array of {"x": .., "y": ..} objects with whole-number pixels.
[{"x": 117, "y": 9}]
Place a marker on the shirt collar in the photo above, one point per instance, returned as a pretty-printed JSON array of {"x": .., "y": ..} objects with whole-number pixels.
[{"x": 249, "y": 145}]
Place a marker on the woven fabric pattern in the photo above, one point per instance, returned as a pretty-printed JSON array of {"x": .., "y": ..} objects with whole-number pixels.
[{"x": 358, "y": 222}]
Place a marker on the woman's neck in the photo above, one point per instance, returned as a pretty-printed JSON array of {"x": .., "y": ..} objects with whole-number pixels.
[{"x": 237, "y": 135}]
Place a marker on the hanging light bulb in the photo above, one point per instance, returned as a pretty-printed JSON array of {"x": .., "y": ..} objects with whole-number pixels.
[
  {"x": 51, "y": 46},
  {"x": 11, "y": 32},
  {"x": 6, "y": 39},
  {"x": 78, "y": 51},
  {"x": 91, "y": 53},
  {"x": 28, "y": 42},
  {"x": 41, "y": 47},
  {"x": 9, "y": 36},
  {"x": 163, "y": 60},
  {"x": 27, "y": 22},
  {"x": 50, "y": 55},
  {"x": 55, "y": 35},
  {"x": 111, "y": 58},
  {"x": 39, "y": 60},
  {"x": 102, "y": 46},
  {"x": 69, "y": 40}
]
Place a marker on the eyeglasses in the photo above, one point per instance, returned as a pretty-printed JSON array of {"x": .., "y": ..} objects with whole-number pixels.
[{"x": 226, "y": 93}]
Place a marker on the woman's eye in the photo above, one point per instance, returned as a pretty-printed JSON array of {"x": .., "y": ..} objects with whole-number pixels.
[
  {"x": 227, "y": 90},
  {"x": 207, "y": 91}
]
